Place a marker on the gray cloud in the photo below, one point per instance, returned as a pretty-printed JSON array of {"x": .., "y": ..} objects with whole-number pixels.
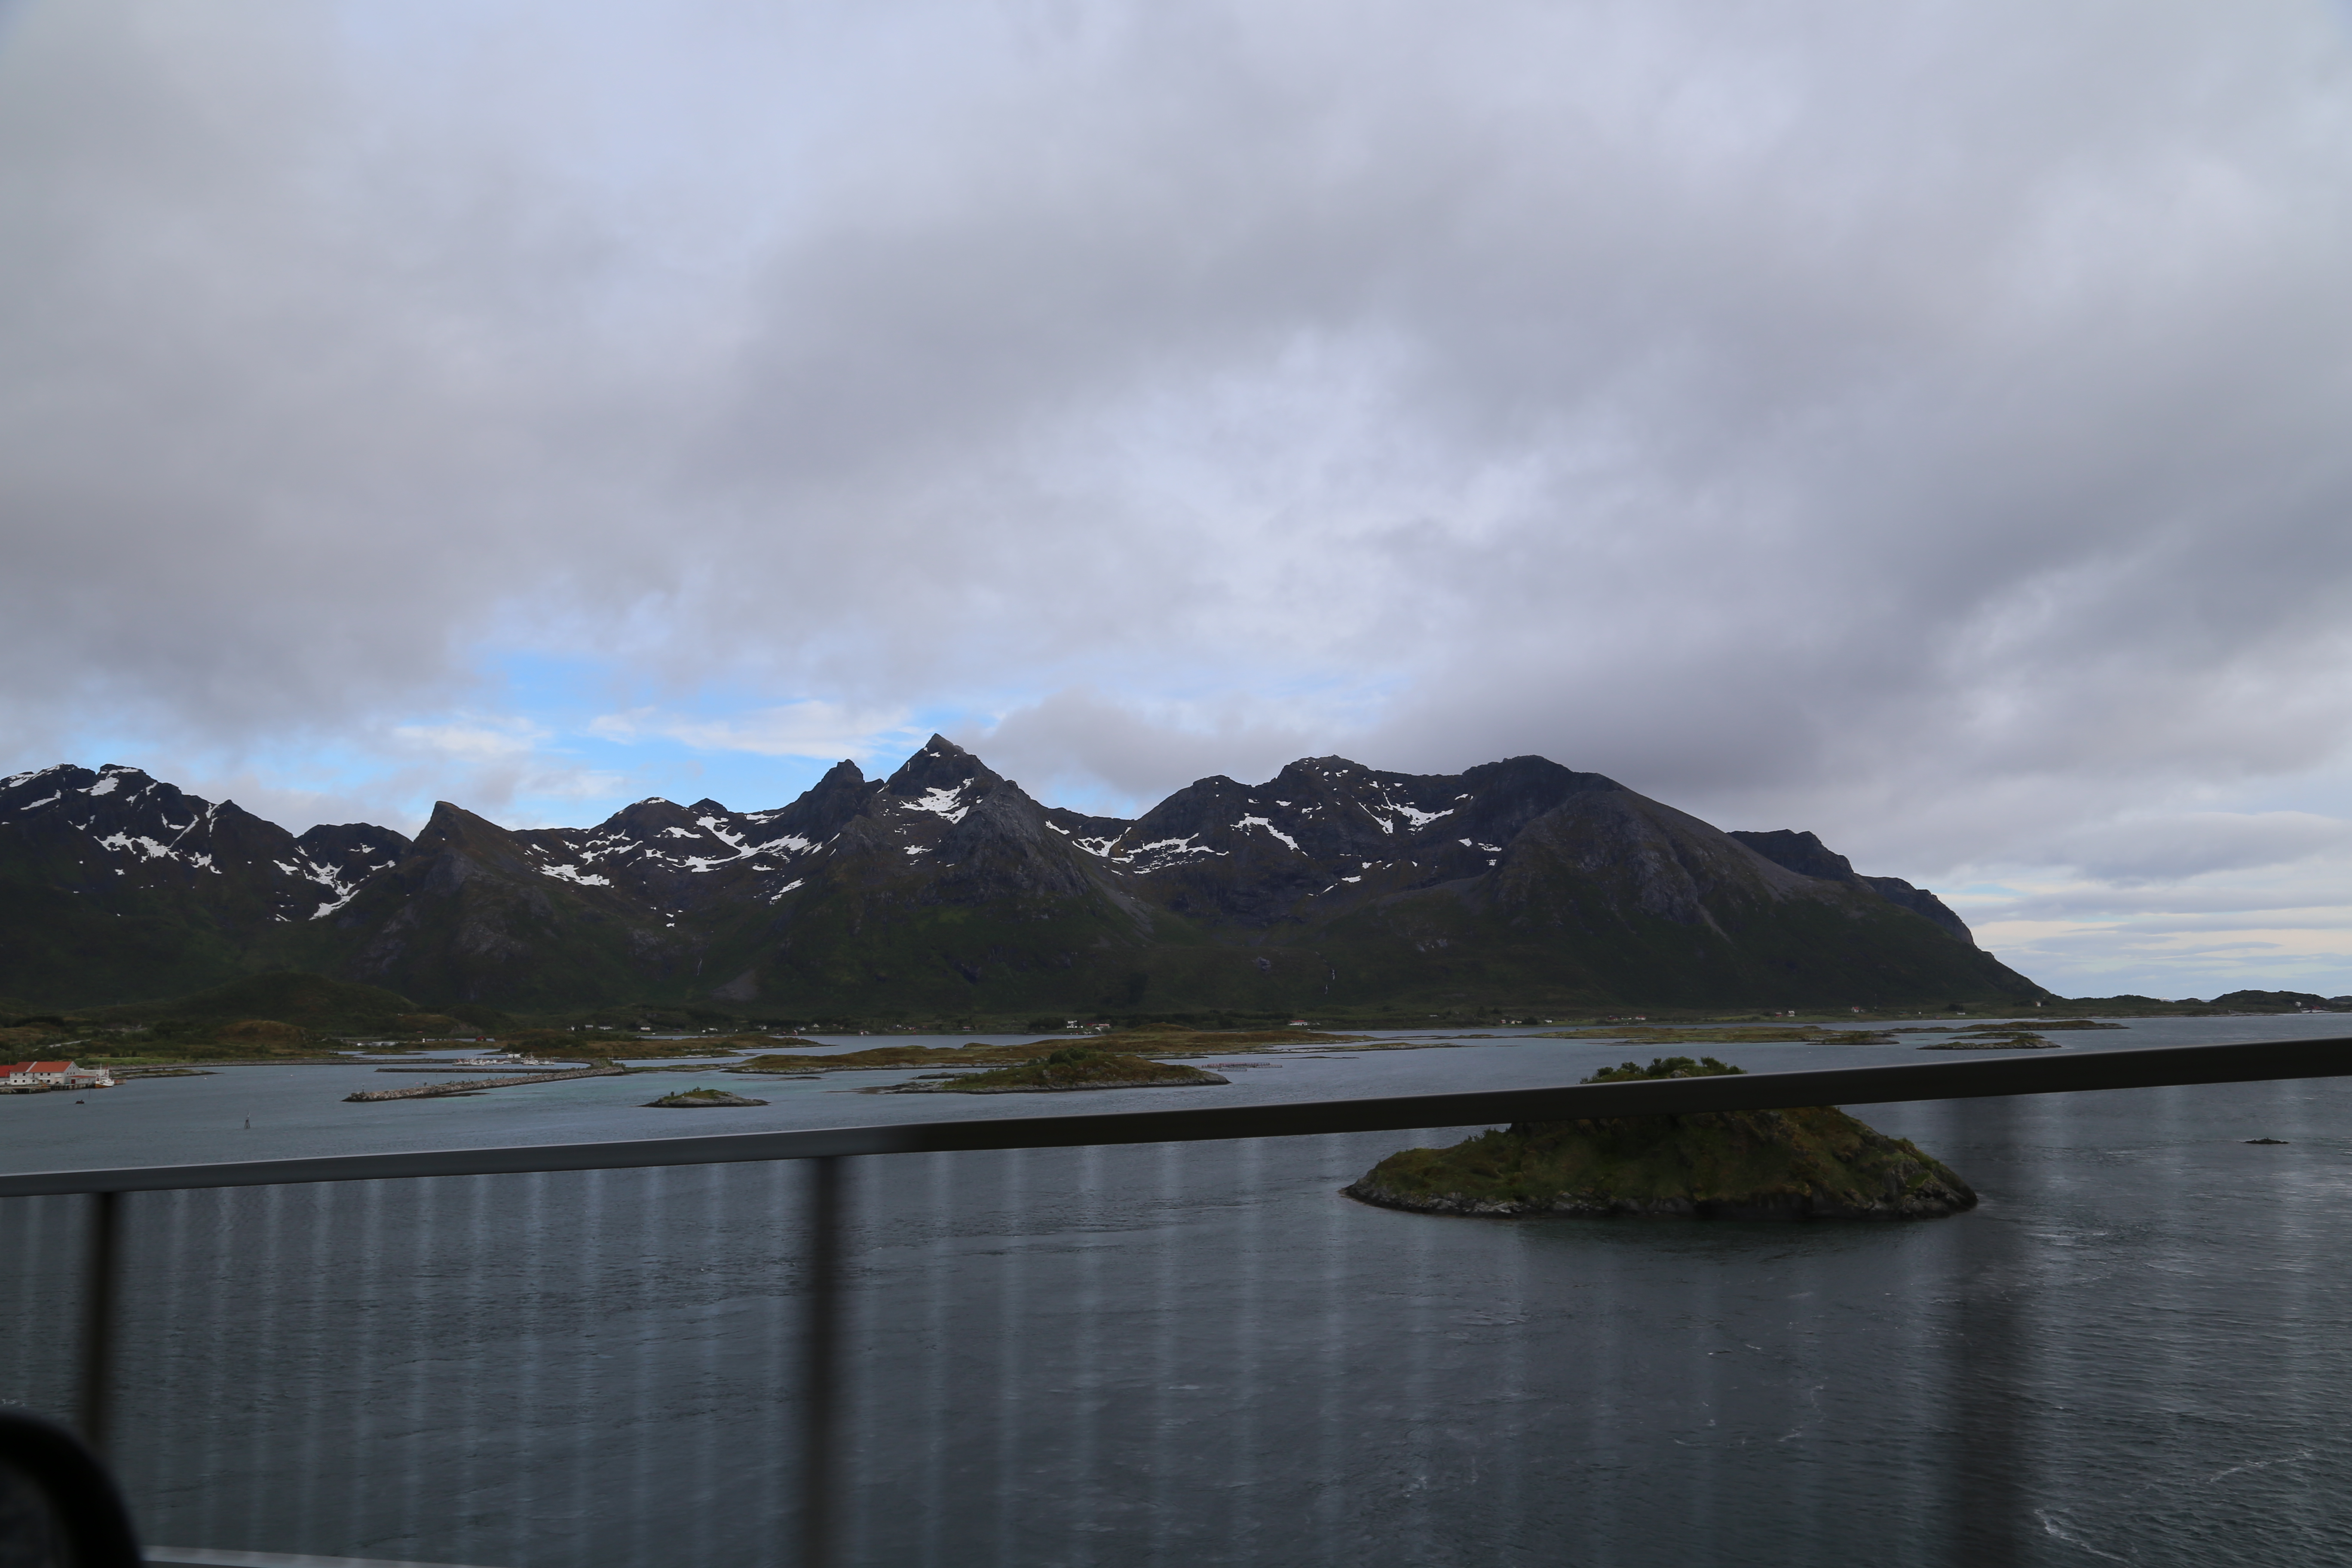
[
  {"x": 2200, "y": 843},
  {"x": 1923, "y": 423},
  {"x": 2176, "y": 908}
]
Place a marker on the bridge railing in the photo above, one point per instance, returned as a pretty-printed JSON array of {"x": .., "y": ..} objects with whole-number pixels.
[{"x": 249, "y": 1349}]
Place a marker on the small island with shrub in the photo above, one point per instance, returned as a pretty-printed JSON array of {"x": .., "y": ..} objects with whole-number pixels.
[
  {"x": 1814, "y": 1163},
  {"x": 698, "y": 1099}
]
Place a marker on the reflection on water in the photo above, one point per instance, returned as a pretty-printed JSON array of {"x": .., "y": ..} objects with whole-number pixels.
[{"x": 2133, "y": 1352}]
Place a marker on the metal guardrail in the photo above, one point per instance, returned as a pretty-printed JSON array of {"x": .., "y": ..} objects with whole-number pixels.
[
  {"x": 828, "y": 1150},
  {"x": 2051, "y": 1073}
]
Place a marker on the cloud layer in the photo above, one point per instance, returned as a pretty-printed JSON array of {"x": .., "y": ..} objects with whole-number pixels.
[{"x": 1921, "y": 423}]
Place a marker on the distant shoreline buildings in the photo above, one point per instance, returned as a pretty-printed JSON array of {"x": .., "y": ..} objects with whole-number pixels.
[{"x": 36, "y": 1078}]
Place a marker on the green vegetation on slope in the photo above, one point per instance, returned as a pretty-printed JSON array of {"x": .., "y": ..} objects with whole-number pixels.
[
  {"x": 1816, "y": 1163},
  {"x": 310, "y": 1002},
  {"x": 282, "y": 1016},
  {"x": 247, "y": 1041},
  {"x": 59, "y": 947}
]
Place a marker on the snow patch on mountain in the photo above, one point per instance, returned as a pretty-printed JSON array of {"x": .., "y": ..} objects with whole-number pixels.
[
  {"x": 145, "y": 847},
  {"x": 1161, "y": 853},
  {"x": 789, "y": 843},
  {"x": 1270, "y": 827},
  {"x": 947, "y": 802}
]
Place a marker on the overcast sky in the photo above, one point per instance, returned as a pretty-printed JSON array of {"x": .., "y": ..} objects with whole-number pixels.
[{"x": 1926, "y": 424}]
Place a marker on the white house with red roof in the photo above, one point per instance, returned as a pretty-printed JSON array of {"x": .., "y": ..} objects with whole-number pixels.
[{"x": 53, "y": 1075}]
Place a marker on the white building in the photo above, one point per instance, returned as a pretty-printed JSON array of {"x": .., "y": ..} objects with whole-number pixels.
[{"x": 57, "y": 1075}]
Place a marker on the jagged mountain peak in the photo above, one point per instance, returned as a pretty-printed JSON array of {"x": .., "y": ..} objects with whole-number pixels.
[
  {"x": 111, "y": 776},
  {"x": 126, "y": 811},
  {"x": 60, "y": 779},
  {"x": 829, "y": 802},
  {"x": 946, "y": 880},
  {"x": 451, "y": 822},
  {"x": 1318, "y": 767},
  {"x": 655, "y": 815},
  {"x": 943, "y": 779},
  {"x": 940, "y": 764}
]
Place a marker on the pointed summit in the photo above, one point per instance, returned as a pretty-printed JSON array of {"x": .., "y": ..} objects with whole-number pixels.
[{"x": 939, "y": 767}]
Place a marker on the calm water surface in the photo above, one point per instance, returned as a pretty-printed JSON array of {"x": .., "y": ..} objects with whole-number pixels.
[{"x": 2134, "y": 1351}]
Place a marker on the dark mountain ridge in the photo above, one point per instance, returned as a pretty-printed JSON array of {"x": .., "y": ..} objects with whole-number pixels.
[
  {"x": 946, "y": 887},
  {"x": 1808, "y": 856}
]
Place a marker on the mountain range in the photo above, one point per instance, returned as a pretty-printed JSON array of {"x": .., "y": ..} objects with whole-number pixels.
[{"x": 946, "y": 889}]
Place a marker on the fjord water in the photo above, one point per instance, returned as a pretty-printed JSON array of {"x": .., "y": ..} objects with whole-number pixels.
[{"x": 2135, "y": 1351}]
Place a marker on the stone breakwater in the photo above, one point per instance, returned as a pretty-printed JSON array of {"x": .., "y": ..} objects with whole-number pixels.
[{"x": 467, "y": 1085}]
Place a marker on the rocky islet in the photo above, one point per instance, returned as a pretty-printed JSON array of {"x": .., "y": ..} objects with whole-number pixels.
[{"x": 1810, "y": 1164}]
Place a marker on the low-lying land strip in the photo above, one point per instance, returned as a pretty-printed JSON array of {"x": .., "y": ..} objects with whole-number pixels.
[
  {"x": 514, "y": 1067},
  {"x": 1071, "y": 1067},
  {"x": 470, "y": 1086},
  {"x": 1822, "y": 1035},
  {"x": 2022, "y": 1040},
  {"x": 1158, "y": 1042},
  {"x": 1726, "y": 1035}
]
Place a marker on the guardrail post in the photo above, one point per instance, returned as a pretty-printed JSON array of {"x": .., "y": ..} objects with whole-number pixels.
[
  {"x": 98, "y": 1318},
  {"x": 821, "y": 1366}
]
